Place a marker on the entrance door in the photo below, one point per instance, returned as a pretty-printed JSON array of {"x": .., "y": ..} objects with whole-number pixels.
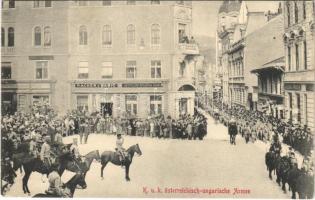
[{"x": 107, "y": 109}]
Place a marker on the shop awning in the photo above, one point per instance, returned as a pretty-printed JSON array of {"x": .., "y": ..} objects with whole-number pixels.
[{"x": 277, "y": 64}]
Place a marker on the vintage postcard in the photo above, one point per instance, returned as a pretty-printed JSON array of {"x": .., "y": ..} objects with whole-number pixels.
[{"x": 149, "y": 98}]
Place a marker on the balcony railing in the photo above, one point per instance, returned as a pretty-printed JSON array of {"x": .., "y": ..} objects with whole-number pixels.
[
  {"x": 7, "y": 50},
  {"x": 189, "y": 48}
]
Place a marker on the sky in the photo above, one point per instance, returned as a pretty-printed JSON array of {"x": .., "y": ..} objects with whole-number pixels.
[{"x": 205, "y": 17}]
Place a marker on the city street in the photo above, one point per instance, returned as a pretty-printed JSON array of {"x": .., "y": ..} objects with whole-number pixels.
[{"x": 209, "y": 164}]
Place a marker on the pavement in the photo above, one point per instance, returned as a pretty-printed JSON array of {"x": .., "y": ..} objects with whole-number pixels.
[{"x": 175, "y": 168}]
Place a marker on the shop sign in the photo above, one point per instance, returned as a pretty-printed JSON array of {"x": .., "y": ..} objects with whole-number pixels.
[{"x": 116, "y": 85}]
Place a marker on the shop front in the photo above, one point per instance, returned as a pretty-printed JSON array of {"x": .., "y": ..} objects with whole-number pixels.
[{"x": 120, "y": 98}]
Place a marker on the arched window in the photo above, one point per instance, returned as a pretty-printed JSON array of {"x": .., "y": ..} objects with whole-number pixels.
[
  {"x": 107, "y": 35},
  {"x": 155, "y": 34},
  {"x": 10, "y": 37},
  {"x": 296, "y": 13},
  {"x": 2, "y": 37},
  {"x": 37, "y": 36},
  {"x": 83, "y": 35},
  {"x": 131, "y": 34},
  {"x": 47, "y": 36}
]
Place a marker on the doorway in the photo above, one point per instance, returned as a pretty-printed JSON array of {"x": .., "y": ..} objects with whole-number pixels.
[{"x": 107, "y": 109}]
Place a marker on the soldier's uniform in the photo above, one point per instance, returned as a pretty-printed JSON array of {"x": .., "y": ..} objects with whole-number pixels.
[{"x": 45, "y": 153}]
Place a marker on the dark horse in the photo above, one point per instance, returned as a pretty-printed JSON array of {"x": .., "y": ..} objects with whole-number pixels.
[
  {"x": 271, "y": 160},
  {"x": 300, "y": 182},
  {"x": 33, "y": 164},
  {"x": 232, "y": 128},
  {"x": 282, "y": 170},
  {"x": 70, "y": 186},
  {"x": 200, "y": 131},
  {"x": 113, "y": 157},
  {"x": 76, "y": 167}
]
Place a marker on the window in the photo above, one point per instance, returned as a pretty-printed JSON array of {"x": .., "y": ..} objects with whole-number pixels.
[
  {"x": 83, "y": 35},
  {"x": 40, "y": 100},
  {"x": 107, "y": 70},
  {"x": 289, "y": 58},
  {"x": 37, "y": 36},
  {"x": 107, "y": 2},
  {"x": 183, "y": 104},
  {"x": 131, "y": 71},
  {"x": 47, "y": 36},
  {"x": 182, "y": 37},
  {"x": 131, "y": 2},
  {"x": 47, "y": 3},
  {"x": 182, "y": 69},
  {"x": 155, "y": 35},
  {"x": 2, "y": 37},
  {"x": 36, "y": 3},
  {"x": 297, "y": 59},
  {"x": 288, "y": 13},
  {"x": 11, "y": 3},
  {"x": 155, "y": 104},
  {"x": 82, "y": 103},
  {"x": 296, "y": 13},
  {"x": 131, "y": 104},
  {"x": 305, "y": 108},
  {"x": 154, "y": 2},
  {"x": 41, "y": 69},
  {"x": 131, "y": 35},
  {"x": 305, "y": 54},
  {"x": 298, "y": 105},
  {"x": 304, "y": 10},
  {"x": 83, "y": 71},
  {"x": 107, "y": 35},
  {"x": 22, "y": 102},
  {"x": 10, "y": 37},
  {"x": 6, "y": 71},
  {"x": 155, "y": 69}
]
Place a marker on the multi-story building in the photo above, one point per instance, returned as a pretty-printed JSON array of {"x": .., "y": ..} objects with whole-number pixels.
[
  {"x": 118, "y": 57},
  {"x": 270, "y": 66},
  {"x": 227, "y": 20},
  {"x": 299, "y": 68}
]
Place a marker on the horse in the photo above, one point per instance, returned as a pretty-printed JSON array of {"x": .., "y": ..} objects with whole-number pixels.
[
  {"x": 35, "y": 164},
  {"x": 282, "y": 169},
  {"x": 70, "y": 187},
  {"x": 113, "y": 157},
  {"x": 200, "y": 131},
  {"x": 301, "y": 182},
  {"x": 84, "y": 167},
  {"x": 232, "y": 128},
  {"x": 271, "y": 160}
]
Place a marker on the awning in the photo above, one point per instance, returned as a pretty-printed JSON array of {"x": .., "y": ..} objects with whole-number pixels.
[{"x": 277, "y": 65}]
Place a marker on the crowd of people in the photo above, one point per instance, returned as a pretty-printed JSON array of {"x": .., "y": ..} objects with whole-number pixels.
[{"x": 253, "y": 125}]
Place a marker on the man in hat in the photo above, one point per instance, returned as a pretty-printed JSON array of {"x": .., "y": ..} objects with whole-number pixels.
[{"x": 45, "y": 152}]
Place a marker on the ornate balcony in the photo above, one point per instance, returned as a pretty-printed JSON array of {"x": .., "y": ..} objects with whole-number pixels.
[
  {"x": 189, "y": 48},
  {"x": 7, "y": 50}
]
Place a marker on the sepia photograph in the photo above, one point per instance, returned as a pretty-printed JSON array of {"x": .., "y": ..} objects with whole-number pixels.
[{"x": 157, "y": 99}]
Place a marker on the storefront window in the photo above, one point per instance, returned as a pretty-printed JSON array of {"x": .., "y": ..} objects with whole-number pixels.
[
  {"x": 107, "y": 70},
  {"x": 83, "y": 71},
  {"x": 39, "y": 100},
  {"x": 6, "y": 71},
  {"x": 82, "y": 103},
  {"x": 131, "y": 104},
  {"x": 41, "y": 69},
  {"x": 131, "y": 70},
  {"x": 155, "y": 69},
  {"x": 155, "y": 104}
]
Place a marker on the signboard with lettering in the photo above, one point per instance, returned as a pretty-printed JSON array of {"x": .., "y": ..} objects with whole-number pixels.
[{"x": 117, "y": 85}]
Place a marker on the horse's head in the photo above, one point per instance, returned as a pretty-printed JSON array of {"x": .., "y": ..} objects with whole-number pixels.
[
  {"x": 94, "y": 155},
  {"x": 138, "y": 150},
  {"x": 78, "y": 179}
]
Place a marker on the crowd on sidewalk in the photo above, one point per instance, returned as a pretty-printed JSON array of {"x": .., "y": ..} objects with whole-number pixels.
[{"x": 258, "y": 125}]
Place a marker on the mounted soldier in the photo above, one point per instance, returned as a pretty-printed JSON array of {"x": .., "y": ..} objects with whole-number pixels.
[
  {"x": 74, "y": 149},
  {"x": 275, "y": 145},
  {"x": 45, "y": 153},
  {"x": 120, "y": 149}
]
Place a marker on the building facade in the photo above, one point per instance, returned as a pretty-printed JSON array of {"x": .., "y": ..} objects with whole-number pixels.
[
  {"x": 117, "y": 57},
  {"x": 299, "y": 67}
]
